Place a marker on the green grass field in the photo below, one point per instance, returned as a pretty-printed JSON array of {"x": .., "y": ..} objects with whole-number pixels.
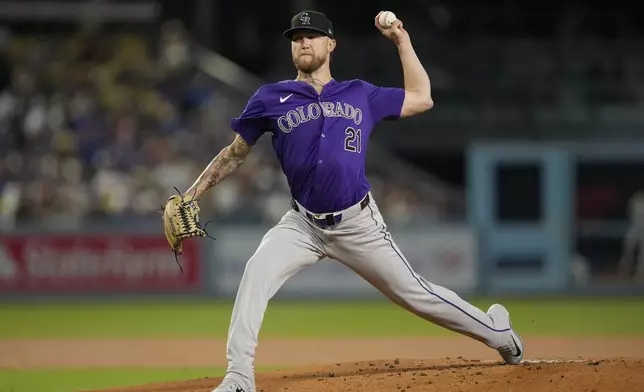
[
  {"x": 55, "y": 380},
  {"x": 552, "y": 317},
  {"x": 308, "y": 319}
]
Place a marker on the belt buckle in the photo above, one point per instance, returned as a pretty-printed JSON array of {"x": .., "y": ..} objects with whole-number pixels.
[
  {"x": 315, "y": 218},
  {"x": 321, "y": 219}
]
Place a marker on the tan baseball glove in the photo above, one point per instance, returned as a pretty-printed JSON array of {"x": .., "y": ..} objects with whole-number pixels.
[{"x": 181, "y": 222}]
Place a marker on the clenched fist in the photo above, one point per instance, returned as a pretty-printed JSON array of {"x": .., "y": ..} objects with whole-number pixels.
[{"x": 395, "y": 32}]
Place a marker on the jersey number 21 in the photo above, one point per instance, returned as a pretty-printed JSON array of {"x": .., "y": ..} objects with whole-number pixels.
[{"x": 353, "y": 141}]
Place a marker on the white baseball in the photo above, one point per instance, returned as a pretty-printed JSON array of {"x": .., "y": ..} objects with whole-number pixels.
[{"x": 386, "y": 18}]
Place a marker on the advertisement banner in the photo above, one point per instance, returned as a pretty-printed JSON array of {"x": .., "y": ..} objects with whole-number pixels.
[
  {"x": 444, "y": 255},
  {"x": 99, "y": 263}
]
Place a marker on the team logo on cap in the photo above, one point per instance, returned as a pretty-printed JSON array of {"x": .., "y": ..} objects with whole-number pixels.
[{"x": 305, "y": 19}]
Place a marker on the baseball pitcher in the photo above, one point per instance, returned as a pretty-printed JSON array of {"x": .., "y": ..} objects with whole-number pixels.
[{"x": 319, "y": 128}]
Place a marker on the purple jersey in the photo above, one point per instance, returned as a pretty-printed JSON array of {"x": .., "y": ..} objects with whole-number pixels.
[{"x": 320, "y": 139}]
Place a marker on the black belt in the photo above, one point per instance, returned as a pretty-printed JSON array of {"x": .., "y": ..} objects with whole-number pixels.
[{"x": 328, "y": 219}]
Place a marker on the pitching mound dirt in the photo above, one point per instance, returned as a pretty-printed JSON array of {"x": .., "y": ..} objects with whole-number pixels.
[
  {"x": 605, "y": 375},
  {"x": 608, "y": 364}
]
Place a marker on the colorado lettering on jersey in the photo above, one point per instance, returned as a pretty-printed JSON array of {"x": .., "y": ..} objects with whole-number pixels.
[
  {"x": 301, "y": 114},
  {"x": 323, "y": 161}
]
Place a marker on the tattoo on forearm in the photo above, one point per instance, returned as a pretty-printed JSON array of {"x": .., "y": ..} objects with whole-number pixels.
[{"x": 224, "y": 164}]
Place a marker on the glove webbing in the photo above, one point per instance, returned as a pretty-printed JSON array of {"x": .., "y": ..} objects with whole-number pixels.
[{"x": 189, "y": 227}]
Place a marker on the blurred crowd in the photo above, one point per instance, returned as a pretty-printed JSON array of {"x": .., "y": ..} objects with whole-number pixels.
[
  {"x": 104, "y": 126},
  {"x": 97, "y": 127}
]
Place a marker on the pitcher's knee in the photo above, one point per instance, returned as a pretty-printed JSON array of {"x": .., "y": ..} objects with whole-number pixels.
[
  {"x": 411, "y": 294},
  {"x": 256, "y": 270},
  {"x": 399, "y": 296}
]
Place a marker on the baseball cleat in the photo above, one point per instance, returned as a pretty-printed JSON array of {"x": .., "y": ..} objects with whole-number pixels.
[
  {"x": 511, "y": 348},
  {"x": 228, "y": 385}
]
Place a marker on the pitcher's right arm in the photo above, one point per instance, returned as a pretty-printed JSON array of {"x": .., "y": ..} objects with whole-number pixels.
[
  {"x": 223, "y": 165},
  {"x": 249, "y": 126}
]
